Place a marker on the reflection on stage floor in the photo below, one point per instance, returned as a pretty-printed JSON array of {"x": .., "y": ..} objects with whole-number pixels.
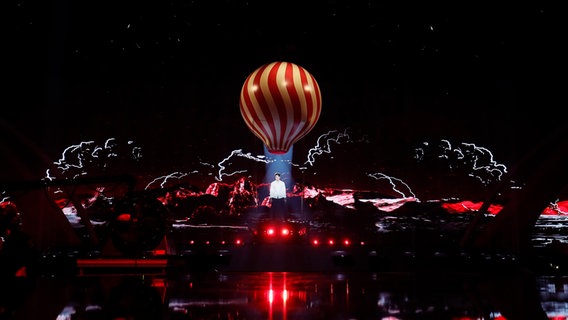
[{"x": 151, "y": 293}]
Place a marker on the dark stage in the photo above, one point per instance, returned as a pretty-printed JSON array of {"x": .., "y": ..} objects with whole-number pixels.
[{"x": 421, "y": 148}]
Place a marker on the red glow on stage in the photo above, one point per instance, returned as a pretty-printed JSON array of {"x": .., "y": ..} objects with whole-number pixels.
[
  {"x": 124, "y": 217},
  {"x": 469, "y": 206},
  {"x": 558, "y": 208}
]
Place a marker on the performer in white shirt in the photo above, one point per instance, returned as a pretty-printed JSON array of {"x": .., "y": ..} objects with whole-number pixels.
[{"x": 278, "y": 197}]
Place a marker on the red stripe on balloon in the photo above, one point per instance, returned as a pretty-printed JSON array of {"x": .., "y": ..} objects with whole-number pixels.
[
  {"x": 277, "y": 106},
  {"x": 299, "y": 124},
  {"x": 295, "y": 101},
  {"x": 261, "y": 107},
  {"x": 247, "y": 110},
  {"x": 314, "y": 110}
]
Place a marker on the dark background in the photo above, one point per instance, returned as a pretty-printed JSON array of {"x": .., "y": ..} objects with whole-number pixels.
[{"x": 168, "y": 74}]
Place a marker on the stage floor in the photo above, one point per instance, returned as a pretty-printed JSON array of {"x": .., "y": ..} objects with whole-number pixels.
[{"x": 153, "y": 291}]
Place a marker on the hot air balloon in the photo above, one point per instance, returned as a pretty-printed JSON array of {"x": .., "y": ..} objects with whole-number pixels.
[{"x": 280, "y": 103}]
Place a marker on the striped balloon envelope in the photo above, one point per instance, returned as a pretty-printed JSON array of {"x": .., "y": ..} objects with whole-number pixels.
[{"x": 280, "y": 103}]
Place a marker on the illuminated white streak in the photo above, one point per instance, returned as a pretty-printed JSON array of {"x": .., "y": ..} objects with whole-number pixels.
[
  {"x": 166, "y": 178},
  {"x": 237, "y": 153},
  {"x": 323, "y": 144},
  {"x": 391, "y": 180}
]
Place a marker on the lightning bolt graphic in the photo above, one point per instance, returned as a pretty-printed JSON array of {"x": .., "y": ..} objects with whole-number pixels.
[
  {"x": 478, "y": 162},
  {"x": 163, "y": 180},
  {"x": 323, "y": 144},
  {"x": 77, "y": 159},
  {"x": 237, "y": 153},
  {"x": 392, "y": 181}
]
